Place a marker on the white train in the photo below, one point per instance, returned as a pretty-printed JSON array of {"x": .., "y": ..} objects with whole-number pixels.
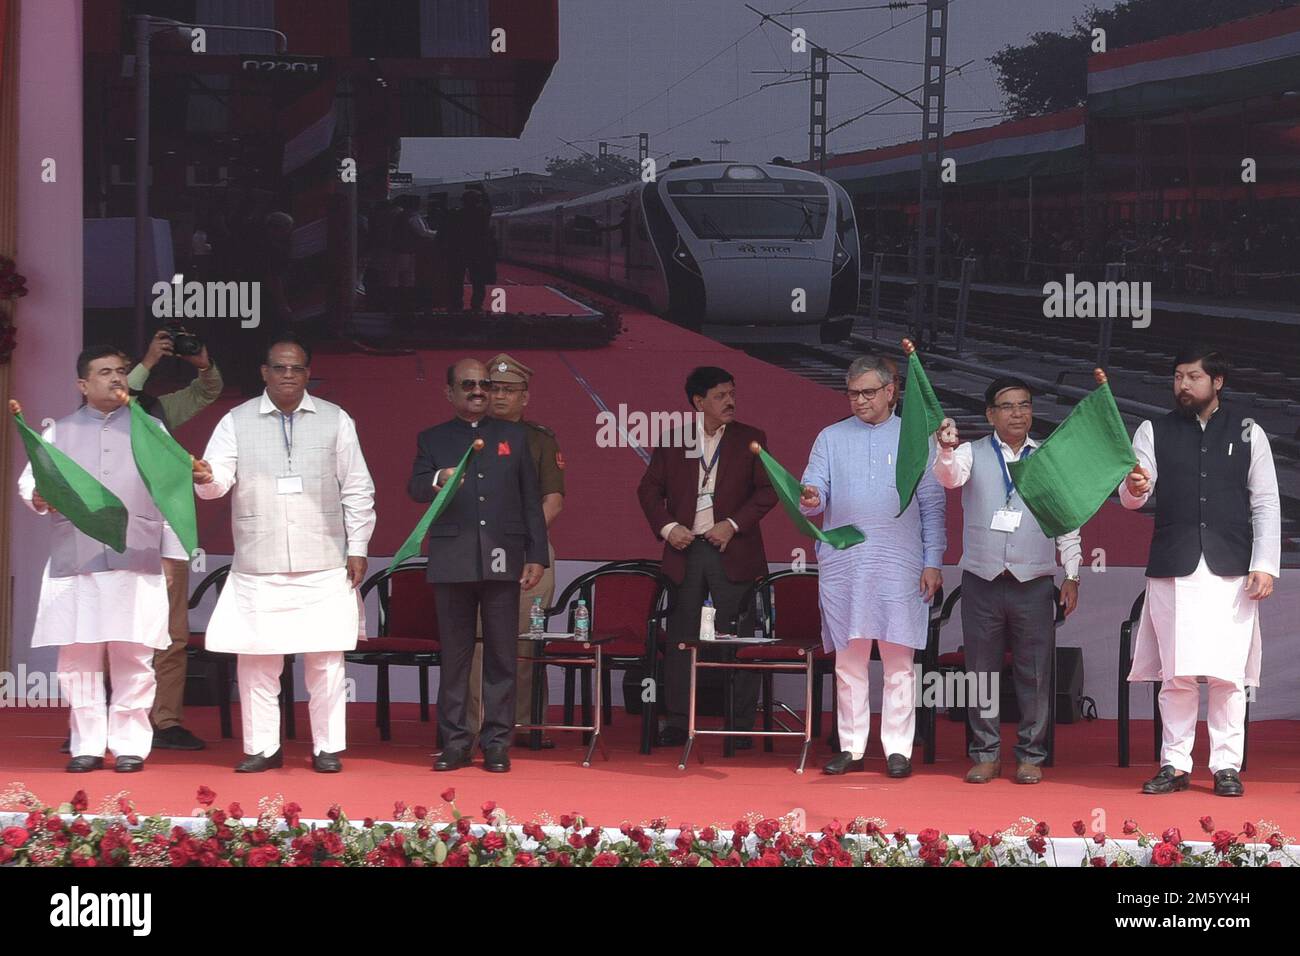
[{"x": 737, "y": 251}]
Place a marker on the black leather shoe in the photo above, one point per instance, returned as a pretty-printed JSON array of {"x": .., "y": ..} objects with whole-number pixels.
[
  {"x": 496, "y": 759},
  {"x": 898, "y": 766},
  {"x": 1167, "y": 780},
  {"x": 842, "y": 762},
  {"x": 129, "y": 764},
  {"x": 256, "y": 763},
  {"x": 671, "y": 736},
  {"x": 1228, "y": 784},
  {"x": 326, "y": 763},
  {"x": 176, "y": 738},
  {"x": 453, "y": 758},
  {"x": 85, "y": 764}
]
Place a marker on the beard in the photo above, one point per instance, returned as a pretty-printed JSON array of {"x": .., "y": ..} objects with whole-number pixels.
[{"x": 1191, "y": 407}]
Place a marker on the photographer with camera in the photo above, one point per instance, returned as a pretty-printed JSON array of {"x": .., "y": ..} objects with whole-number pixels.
[{"x": 175, "y": 408}]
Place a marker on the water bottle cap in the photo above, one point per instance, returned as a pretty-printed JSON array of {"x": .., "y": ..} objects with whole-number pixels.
[
  {"x": 708, "y": 602},
  {"x": 582, "y": 602}
]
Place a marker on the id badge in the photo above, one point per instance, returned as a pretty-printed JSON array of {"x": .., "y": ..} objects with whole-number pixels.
[
  {"x": 704, "y": 501},
  {"x": 1005, "y": 519},
  {"x": 288, "y": 485}
]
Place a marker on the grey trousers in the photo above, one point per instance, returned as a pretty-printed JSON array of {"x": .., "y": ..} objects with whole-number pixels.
[{"x": 1022, "y": 614}]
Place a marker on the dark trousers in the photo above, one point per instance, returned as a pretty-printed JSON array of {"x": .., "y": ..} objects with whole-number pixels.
[
  {"x": 459, "y": 605},
  {"x": 704, "y": 577},
  {"x": 994, "y": 614}
]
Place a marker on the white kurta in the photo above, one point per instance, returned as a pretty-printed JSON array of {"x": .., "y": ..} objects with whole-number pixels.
[
  {"x": 1202, "y": 624},
  {"x": 105, "y": 606},
  {"x": 292, "y": 612}
]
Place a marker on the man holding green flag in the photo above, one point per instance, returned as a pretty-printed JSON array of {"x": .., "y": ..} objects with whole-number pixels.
[
  {"x": 96, "y": 601},
  {"x": 879, "y": 590}
]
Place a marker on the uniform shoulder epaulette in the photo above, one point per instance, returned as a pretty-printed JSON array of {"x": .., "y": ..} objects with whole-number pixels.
[{"x": 541, "y": 428}]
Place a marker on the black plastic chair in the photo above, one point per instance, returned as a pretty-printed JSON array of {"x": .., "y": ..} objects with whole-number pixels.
[
  {"x": 1125, "y": 688},
  {"x": 407, "y": 634},
  {"x": 198, "y": 651},
  {"x": 629, "y": 602}
]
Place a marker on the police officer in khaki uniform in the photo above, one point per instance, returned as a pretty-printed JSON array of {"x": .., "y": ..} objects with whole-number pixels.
[{"x": 510, "y": 380}]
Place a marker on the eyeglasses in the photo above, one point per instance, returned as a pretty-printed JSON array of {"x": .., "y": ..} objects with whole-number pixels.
[
  {"x": 866, "y": 394},
  {"x": 507, "y": 389},
  {"x": 288, "y": 369},
  {"x": 1014, "y": 406},
  {"x": 468, "y": 385}
]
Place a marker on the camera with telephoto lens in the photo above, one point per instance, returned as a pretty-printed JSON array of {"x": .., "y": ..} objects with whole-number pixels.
[{"x": 183, "y": 342}]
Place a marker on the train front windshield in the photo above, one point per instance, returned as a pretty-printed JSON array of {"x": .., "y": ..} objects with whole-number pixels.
[{"x": 754, "y": 217}]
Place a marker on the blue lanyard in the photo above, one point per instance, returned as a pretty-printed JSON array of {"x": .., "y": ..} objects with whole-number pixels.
[
  {"x": 286, "y": 429},
  {"x": 1006, "y": 472},
  {"x": 708, "y": 469}
]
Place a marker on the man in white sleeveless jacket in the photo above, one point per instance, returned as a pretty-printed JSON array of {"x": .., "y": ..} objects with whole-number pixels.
[
  {"x": 302, "y": 515},
  {"x": 94, "y": 601}
]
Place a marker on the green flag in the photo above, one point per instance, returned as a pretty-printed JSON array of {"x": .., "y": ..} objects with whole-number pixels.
[
  {"x": 73, "y": 492},
  {"x": 922, "y": 417},
  {"x": 1067, "y": 478},
  {"x": 788, "y": 491},
  {"x": 167, "y": 471},
  {"x": 411, "y": 547}
]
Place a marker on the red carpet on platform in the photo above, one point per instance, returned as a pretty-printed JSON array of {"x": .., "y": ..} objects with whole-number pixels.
[{"x": 631, "y": 787}]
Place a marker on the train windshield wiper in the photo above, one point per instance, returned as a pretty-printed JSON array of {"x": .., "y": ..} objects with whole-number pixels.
[{"x": 707, "y": 221}]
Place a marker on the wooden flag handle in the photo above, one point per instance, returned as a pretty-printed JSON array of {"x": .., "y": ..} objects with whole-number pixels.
[
  {"x": 14, "y": 407},
  {"x": 1099, "y": 375},
  {"x": 755, "y": 447},
  {"x": 478, "y": 444},
  {"x": 908, "y": 347}
]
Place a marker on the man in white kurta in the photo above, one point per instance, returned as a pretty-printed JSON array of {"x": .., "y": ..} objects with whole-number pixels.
[
  {"x": 303, "y": 513},
  {"x": 1214, "y": 555},
  {"x": 96, "y": 603},
  {"x": 879, "y": 590}
]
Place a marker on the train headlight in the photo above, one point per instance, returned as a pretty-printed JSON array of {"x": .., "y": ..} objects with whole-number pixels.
[
  {"x": 682, "y": 256},
  {"x": 744, "y": 172},
  {"x": 840, "y": 259}
]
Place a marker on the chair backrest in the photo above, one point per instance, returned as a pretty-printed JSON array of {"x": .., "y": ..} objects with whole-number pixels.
[
  {"x": 622, "y": 597},
  {"x": 795, "y": 608},
  {"x": 215, "y": 579},
  {"x": 406, "y": 602}
]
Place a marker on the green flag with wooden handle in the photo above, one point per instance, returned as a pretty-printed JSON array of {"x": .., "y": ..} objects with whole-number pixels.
[
  {"x": 167, "y": 470},
  {"x": 411, "y": 547},
  {"x": 922, "y": 416},
  {"x": 71, "y": 490},
  {"x": 788, "y": 490},
  {"x": 1071, "y": 474}
]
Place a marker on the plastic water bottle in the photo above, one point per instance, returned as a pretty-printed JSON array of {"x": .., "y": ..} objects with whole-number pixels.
[
  {"x": 537, "y": 618},
  {"x": 581, "y": 621},
  {"x": 707, "y": 613}
]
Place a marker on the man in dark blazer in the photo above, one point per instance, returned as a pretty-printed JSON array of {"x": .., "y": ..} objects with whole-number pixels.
[
  {"x": 706, "y": 503},
  {"x": 487, "y": 545}
]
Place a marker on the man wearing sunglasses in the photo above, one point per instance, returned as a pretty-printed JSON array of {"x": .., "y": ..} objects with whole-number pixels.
[
  {"x": 488, "y": 545},
  {"x": 302, "y": 513},
  {"x": 1007, "y": 589}
]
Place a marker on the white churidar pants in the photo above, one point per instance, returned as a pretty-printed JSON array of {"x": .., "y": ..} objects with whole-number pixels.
[
  {"x": 897, "y": 706},
  {"x": 259, "y": 690},
  {"x": 122, "y": 725}
]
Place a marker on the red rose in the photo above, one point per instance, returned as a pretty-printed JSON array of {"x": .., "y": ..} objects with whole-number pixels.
[
  {"x": 6, "y": 854},
  {"x": 1207, "y": 824},
  {"x": 206, "y": 796},
  {"x": 449, "y": 795},
  {"x": 14, "y": 836},
  {"x": 1037, "y": 844},
  {"x": 1275, "y": 840},
  {"x": 34, "y": 820},
  {"x": 1079, "y": 828},
  {"x": 927, "y": 836},
  {"x": 766, "y": 829},
  {"x": 978, "y": 841},
  {"x": 80, "y": 827},
  {"x": 1166, "y": 854},
  {"x": 1249, "y": 830},
  {"x": 124, "y": 805},
  {"x": 566, "y": 821},
  {"x": 1042, "y": 828},
  {"x": 1098, "y": 861},
  {"x": 235, "y": 810},
  {"x": 995, "y": 839},
  {"x": 420, "y": 812},
  {"x": 900, "y": 835},
  {"x": 606, "y": 859},
  {"x": 741, "y": 829},
  {"x": 399, "y": 807},
  {"x": 1224, "y": 840},
  {"x": 654, "y": 864},
  {"x": 708, "y": 834},
  {"x": 493, "y": 842},
  {"x": 79, "y": 801},
  {"x": 368, "y": 822},
  {"x": 1099, "y": 838},
  {"x": 1130, "y": 826},
  {"x": 334, "y": 812},
  {"x": 488, "y": 808},
  {"x": 54, "y": 824},
  {"x": 1172, "y": 835}
]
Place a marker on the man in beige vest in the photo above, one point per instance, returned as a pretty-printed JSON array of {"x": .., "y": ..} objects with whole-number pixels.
[{"x": 303, "y": 513}]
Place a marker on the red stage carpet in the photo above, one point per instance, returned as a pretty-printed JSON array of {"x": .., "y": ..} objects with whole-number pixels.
[{"x": 632, "y": 787}]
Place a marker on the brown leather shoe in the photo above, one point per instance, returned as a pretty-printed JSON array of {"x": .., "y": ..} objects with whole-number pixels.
[
  {"x": 984, "y": 771},
  {"x": 1028, "y": 772}
]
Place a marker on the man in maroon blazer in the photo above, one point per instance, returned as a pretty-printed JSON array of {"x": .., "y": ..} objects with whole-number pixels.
[{"x": 705, "y": 503}]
